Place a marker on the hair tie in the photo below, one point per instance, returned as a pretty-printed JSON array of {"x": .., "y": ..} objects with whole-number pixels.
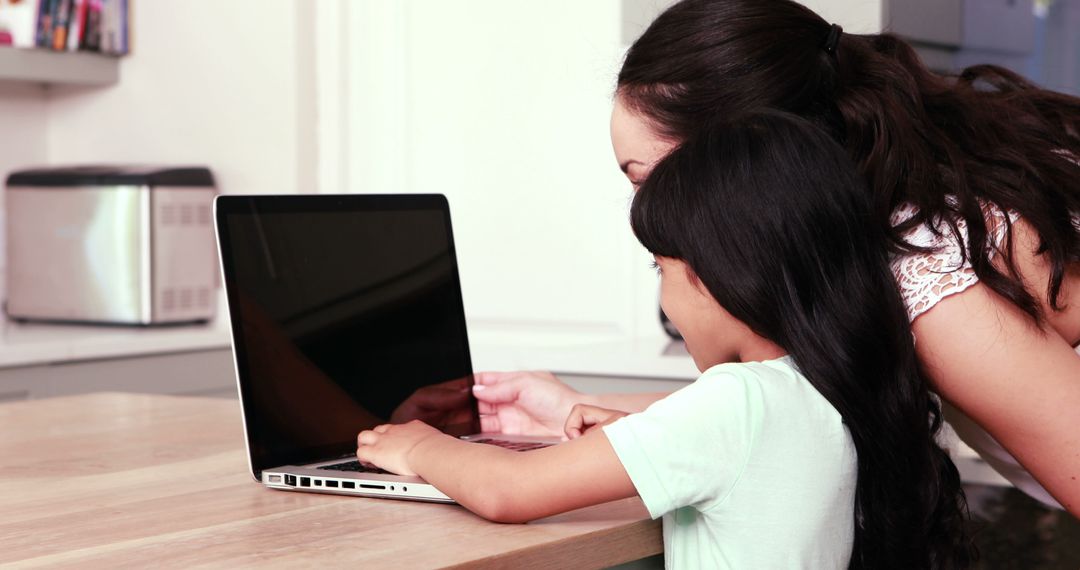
[{"x": 833, "y": 39}]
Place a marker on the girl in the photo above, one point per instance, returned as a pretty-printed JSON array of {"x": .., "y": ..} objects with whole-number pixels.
[
  {"x": 973, "y": 177},
  {"x": 809, "y": 439}
]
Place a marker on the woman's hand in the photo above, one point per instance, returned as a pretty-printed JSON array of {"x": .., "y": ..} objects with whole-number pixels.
[
  {"x": 524, "y": 403},
  {"x": 388, "y": 446},
  {"x": 584, "y": 418}
]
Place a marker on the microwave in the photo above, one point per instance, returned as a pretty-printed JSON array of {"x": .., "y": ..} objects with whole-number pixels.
[{"x": 111, "y": 245}]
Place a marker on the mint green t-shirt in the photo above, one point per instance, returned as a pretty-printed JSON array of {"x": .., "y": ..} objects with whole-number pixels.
[{"x": 749, "y": 466}]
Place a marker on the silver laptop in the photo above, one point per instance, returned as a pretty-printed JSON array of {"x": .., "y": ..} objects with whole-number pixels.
[{"x": 346, "y": 313}]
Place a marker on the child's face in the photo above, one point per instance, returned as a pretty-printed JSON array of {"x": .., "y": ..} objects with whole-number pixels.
[
  {"x": 704, "y": 324},
  {"x": 712, "y": 335}
]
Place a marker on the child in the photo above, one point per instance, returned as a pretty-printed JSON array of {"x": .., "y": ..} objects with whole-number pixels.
[{"x": 808, "y": 441}]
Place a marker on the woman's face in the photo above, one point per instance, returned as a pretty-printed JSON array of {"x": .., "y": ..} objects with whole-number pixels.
[{"x": 637, "y": 146}]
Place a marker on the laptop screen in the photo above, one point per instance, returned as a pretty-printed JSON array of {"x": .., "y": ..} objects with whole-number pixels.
[{"x": 346, "y": 313}]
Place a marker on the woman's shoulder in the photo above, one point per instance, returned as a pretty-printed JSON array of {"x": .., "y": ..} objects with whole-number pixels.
[{"x": 943, "y": 268}]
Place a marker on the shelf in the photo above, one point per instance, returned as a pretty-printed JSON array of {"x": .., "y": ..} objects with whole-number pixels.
[{"x": 57, "y": 68}]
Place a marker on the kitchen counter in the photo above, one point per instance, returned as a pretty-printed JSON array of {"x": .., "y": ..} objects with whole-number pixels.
[
  {"x": 26, "y": 344},
  {"x": 34, "y": 343}
]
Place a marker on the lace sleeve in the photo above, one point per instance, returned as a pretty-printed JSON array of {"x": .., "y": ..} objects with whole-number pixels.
[{"x": 925, "y": 279}]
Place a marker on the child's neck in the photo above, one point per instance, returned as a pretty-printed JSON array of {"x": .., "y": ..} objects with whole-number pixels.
[{"x": 757, "y": 349}]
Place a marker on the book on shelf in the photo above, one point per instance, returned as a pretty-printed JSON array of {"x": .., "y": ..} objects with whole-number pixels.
[
  {"x": 78, "y": 16},
  {"x": 66, "y": 25},
  {"x": 90, "y": 38},
  {"x": 61, "y": 20}
]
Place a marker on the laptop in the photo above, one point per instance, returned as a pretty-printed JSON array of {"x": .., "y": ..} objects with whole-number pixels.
[{"x": 346, "y": 313}]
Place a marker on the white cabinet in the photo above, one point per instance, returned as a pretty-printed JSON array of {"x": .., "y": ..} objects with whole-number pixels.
[{"x": 503, "y": 107}]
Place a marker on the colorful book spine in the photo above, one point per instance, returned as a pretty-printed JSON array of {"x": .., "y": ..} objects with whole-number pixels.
[
  {"x": 114, "y": 27},
  {"x": 78, "y": 21},
  {"x": 91, "y": 35},
  {"x": 61, "y": 22},
  {"x": 45, "y": 23}
]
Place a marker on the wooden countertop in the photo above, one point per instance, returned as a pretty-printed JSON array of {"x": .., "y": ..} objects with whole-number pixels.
[{"x": 139, "y": 480}]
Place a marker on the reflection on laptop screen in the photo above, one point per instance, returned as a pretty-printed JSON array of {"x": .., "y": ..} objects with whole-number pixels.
[{"x": 347, "y": 313}]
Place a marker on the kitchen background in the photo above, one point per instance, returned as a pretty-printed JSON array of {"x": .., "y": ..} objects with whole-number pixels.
[{"x": 501, "y": 105}]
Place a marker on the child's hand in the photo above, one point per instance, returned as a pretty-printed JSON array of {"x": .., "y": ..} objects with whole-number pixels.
[
  {"x": 388, "y": 446},
  {"x": 584, "y": 418}
]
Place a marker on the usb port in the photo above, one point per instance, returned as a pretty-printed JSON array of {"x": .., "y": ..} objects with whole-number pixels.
[
  {"x": 348, "y": 485},
  {"x": 331, "y": 483},
  {"x": 305, "y": 481}
]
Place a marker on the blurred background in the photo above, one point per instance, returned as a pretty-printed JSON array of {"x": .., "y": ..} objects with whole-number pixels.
[{"x": 502, "y": 105}]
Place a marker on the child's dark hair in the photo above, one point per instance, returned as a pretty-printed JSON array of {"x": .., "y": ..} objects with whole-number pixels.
[{"x": 771, "y": 215}]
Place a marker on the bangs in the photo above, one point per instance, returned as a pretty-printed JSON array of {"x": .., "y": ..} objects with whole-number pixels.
[{"x": 656, "y": 215}]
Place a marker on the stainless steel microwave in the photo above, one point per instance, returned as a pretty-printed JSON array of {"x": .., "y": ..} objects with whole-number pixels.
[{"x": 117, "y": 245}]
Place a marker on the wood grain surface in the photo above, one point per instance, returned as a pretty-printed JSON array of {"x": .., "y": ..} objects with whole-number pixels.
[{"x": 134, "y": 481}]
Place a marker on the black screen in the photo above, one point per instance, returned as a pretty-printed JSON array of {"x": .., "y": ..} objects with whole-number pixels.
[{"x": 346, "y": 313}]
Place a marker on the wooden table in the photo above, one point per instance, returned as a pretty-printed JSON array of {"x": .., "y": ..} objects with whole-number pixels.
[{"x": 127, "y": 480}]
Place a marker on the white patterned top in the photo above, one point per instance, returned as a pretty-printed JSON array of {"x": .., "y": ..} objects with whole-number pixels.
[{"x": 926, "y": 279}]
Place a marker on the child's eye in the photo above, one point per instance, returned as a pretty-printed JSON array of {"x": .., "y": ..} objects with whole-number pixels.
[{"x": 656, "y": 266}]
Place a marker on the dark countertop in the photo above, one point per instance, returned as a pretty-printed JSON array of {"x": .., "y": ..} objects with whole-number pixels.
[{"x": 1013, "y": 530}]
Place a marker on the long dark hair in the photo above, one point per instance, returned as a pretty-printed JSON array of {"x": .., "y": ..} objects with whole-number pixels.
[
  {"x": 773, "y": 218},
  {"x": 947, "y": 145}
]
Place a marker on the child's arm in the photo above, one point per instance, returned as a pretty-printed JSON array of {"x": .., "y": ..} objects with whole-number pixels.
[
  {"x": 498, "y": 484},
  {"x": 537, "y": 403}
]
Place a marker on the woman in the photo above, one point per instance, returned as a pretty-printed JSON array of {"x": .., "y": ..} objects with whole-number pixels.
[{"x": 974, "y": 176}]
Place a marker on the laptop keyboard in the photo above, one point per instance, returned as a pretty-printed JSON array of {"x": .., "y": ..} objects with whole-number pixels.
[{"x": 357, "y": 467}]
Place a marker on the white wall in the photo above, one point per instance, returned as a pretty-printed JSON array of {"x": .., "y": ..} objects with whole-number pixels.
[
  {"x": 22, "y": 112},
  {"x": 503, "y": 106},
  {"x": 855, "y": 16},
  {"x": 23, "y": 143},
  {"x": 218, "y": 83}
]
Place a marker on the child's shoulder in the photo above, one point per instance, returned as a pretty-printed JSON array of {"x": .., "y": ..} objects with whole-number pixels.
[
  {"x": 777, "y": 381},
  {"x": 779, "y": 368}
]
